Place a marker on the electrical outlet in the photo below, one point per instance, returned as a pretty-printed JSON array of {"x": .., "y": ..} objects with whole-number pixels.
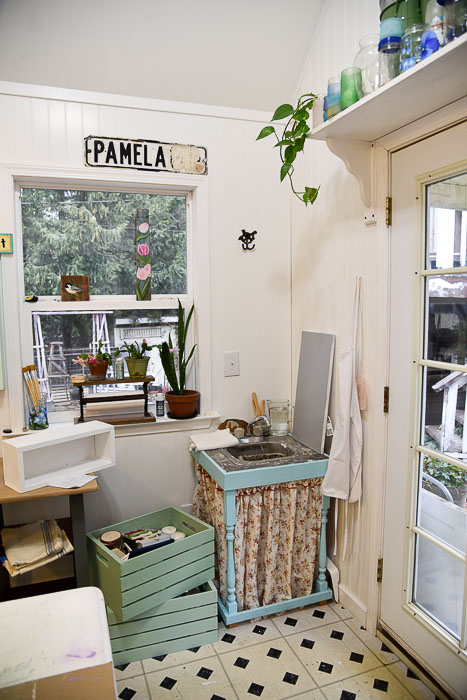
[{"x": 231, "y": 363}]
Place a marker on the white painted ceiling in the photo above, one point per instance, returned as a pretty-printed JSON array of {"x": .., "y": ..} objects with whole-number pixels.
[{"x": 247, "y": 53}]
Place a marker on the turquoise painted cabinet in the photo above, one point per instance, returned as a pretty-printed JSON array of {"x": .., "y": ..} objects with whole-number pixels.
[{"x": 230, "y": 482}]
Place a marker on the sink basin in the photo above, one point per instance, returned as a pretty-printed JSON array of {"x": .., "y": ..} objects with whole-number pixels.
[
  {"x": 261, "y": 452},
  {"x": 260, "y": 449}
]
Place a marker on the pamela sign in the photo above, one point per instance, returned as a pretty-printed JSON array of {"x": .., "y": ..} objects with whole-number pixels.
[{"x": 101, "y": 151}]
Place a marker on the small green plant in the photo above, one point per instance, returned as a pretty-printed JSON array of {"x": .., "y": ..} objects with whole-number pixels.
[
  {"x": 171, "y": 356},
  {"x": 447, "y": 474},
  {"x": 134, "y": 350},
  {"x": 292, "y": 140}
]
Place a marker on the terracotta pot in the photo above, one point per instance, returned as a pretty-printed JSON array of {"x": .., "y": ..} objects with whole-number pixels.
[
  {"x": 137, "y": 367},
  {"x": 182, "y": 406},
  {"x": 98, "y": 369}
]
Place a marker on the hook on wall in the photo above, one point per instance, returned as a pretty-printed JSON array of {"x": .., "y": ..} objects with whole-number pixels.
[{"x": 247, "y": 239}]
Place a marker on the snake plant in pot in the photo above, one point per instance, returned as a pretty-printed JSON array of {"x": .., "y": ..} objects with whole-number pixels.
[{"x": 182, "y": 402}]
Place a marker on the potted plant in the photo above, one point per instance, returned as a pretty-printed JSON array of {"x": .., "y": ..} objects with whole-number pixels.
[
  {"x": 182, "y": 402},
  {"x": 292, "y": 140},
  {"x": 97, "y": 364},
  {"x": 137, "y": 360}
]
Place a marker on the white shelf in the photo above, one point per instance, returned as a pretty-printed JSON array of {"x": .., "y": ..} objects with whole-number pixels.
[
  {"x": 434, "y": 83},
  {"x": 32, "y": 461}
]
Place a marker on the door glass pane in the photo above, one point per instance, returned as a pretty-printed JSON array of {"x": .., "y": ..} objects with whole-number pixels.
[
  {"x": 446, "y": 222},
  {"x": 59, "y": 337},
  {"x": 446, "y": 327},
  {"x": 439, "y": 585},
  {"x": 443, "y": 412},
  {"x": 72, "y": 232},
  {"x": 442, "y": 500}
]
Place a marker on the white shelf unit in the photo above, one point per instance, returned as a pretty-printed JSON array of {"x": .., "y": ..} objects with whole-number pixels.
[
  {"x": 32, "y": 461},
  {"x": 437, "y": 83},
  {"x": 432, "y": 84}
]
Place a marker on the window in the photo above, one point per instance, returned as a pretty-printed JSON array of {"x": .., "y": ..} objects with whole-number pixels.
[{"x": 71, "y": 231}]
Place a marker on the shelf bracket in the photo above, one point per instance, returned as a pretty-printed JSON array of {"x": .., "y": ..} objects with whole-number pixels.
[{"x": 358, "y": 158}]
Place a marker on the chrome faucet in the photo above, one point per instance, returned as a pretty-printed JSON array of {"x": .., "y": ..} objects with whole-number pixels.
[{"x": 254, "y": 421}]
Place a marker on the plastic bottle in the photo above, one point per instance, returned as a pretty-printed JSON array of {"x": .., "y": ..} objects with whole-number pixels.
[
  {"x": 435, "y": 19},
  {"x": 119, "y": 368},
  {"x": 160, "y": 401}
]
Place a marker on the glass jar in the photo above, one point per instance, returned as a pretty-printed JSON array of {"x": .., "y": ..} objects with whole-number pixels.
[
  {"x": 389, "y": 59},
  {"x": 411, "y": 49},
  {"x": 367, "y": 60},
  {"x": 455, "y": 18},
  {"x": 435, "y": 20}
]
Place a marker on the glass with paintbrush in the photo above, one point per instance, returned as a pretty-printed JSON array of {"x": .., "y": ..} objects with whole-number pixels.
[{"x": 37, "y": 404}]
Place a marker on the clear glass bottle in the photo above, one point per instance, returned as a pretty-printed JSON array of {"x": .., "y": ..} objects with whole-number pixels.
[
  {"x": 367, "y": 59},
  {"x": 435, "y": 20},
  {"x": 389, "y": 59}
]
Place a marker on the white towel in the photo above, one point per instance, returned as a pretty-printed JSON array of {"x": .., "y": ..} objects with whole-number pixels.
[{"x": 212, "y": 441}]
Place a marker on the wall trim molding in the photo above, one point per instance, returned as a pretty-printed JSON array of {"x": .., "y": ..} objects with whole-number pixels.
[{"x": 47, "y": 92}]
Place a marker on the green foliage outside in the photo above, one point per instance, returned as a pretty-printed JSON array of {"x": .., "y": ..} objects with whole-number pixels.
[
  {"x": 71, "y": 232},
  {"x": 454, "y": 478}
]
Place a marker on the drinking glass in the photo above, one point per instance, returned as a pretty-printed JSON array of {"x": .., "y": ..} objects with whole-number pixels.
[
  {"x": 351, "y": 86},
  {"x": 279, "y": 416}
]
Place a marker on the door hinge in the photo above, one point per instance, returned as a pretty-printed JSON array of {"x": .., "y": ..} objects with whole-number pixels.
[
  {"x": 379, "y": 571},
  {"x": 388, "y": 211},
  {"x": 386, "y": 400}
]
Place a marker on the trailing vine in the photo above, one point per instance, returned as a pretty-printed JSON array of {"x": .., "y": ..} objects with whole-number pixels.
[{"x": 292, "y": 140}]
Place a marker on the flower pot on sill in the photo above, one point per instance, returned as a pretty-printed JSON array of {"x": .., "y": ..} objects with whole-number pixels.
[
  {"x": 182, "y": 405},
  {"x": 98, "y": 369},
  {"x": 137, "y": 367}
]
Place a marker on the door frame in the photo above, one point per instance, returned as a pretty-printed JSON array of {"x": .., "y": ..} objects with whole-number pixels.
[{"x": 384, "y": 148}]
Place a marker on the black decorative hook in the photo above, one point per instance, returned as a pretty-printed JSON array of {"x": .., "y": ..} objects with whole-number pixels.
[{"x": 247, "y": 239}]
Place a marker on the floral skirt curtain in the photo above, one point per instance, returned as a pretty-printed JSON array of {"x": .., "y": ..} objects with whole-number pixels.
[{"x": 276, "y": 538}]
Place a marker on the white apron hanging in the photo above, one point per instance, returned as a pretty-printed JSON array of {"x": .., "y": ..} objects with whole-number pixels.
[{"x": 343, "y": 478}]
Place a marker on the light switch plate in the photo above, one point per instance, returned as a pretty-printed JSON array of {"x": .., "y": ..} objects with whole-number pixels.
[{"x": 231, "y": 363}]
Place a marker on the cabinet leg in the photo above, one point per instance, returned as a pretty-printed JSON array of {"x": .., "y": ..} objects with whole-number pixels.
[
  {"x": 230, "y": 517},
  {"x": 321, "y": 583}
]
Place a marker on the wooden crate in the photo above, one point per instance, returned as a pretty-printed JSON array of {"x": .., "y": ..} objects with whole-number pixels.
[
  {"x": 137, "y": 585},
  {"x": 178, "y": 624},
  {"x": 34, "y": 460}
]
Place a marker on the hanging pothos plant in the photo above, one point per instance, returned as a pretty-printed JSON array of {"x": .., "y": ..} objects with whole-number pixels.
[{"x": 292, "y": 140}]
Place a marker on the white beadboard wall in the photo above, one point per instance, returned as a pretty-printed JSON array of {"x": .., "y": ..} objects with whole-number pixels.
[
  {"x": 330, "y": 246},
  {"x": 250, "y": 295}
]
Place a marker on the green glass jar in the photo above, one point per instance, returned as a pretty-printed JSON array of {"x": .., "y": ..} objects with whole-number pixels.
[{"x": 351, "y": 86}]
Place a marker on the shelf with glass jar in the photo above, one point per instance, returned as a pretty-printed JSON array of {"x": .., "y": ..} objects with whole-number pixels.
[{"x": 432, "y": 84}]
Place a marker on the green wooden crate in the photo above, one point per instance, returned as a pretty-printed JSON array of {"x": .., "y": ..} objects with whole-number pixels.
[
  {"x": 137, "y": 585},
  {"x": 178, "y": 624}
]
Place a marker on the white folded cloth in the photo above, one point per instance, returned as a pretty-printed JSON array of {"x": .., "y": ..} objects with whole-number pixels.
[
  {"x": 212, "y": 441},
  {"x": 28, "y": 547}
]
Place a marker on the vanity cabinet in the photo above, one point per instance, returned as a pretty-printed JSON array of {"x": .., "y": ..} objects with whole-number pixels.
[{"x": 234, "y": 479}]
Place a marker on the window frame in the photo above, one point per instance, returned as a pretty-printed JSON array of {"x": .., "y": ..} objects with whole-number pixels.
[{"x": 18, "y": 314}]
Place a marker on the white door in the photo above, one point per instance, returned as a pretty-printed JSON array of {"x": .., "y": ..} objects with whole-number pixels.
[{"x": 423, "y": 602}]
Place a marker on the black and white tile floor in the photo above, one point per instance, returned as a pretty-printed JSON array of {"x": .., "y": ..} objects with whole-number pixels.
[{"x": 319, "y": 652}]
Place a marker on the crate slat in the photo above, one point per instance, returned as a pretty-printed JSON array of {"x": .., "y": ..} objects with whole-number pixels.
[
  {"x": 133, "y": 587},
  {"x": 180, "y": 623}
]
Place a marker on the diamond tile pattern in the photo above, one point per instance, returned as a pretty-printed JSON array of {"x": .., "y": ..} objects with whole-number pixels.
[{"x": 316, "y": 653}]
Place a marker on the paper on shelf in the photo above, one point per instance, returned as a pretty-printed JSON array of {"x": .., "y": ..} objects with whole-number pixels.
[{"x": 73, "y": 482}]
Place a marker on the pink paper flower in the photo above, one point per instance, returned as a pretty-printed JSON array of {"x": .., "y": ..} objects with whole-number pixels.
[
  {"x": 143, "y": 249},
  {"x": 142, "y": 273},
  {"x": 172, "y": 350}
]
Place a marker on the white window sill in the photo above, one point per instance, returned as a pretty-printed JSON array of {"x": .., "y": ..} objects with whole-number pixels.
[{"x": 161, "y": 425}]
